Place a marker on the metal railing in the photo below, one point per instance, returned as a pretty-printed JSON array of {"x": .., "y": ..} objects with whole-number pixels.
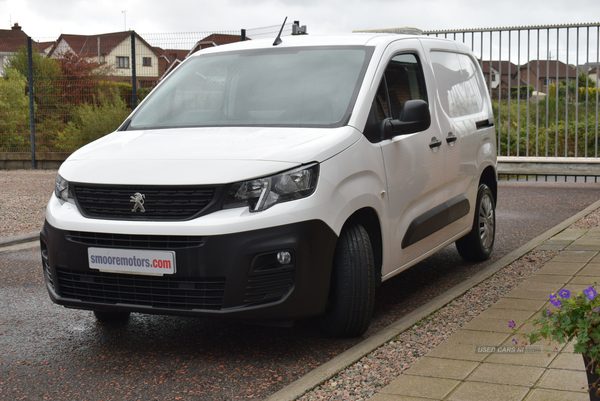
[
  {"x": 59, "y": 94},
  {"x": 543, "y": 81}
]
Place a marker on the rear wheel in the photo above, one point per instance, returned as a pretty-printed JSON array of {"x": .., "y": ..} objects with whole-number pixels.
[
  {"x": 112, "y": 317},
  {"x": 479, "y": 243},
  {"x": 352, "y": 291}
]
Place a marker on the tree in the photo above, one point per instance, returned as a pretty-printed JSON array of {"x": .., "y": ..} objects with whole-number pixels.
[
  {"x": 46, "y": 74},
  {"x": 80, "y": 79},
  {"x": 583, "y": 78},
  {"x": 14, "y": 112}
]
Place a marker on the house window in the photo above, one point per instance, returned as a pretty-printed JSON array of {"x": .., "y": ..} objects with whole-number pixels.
[
  {"x": 122, "y": 62},
  {"x": 146, "y": 61}
]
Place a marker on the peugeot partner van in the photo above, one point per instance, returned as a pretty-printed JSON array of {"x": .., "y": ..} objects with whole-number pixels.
[{"x": 270, "y": 182}]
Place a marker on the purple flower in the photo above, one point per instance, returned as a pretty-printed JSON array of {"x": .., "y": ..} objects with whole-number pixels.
[
  {"x": 514, "y": 340},
  {"x": 511, "y": 324},
  {"x": 590, "y": 292},
  {"x": 548, "y": 312},
  {"x": 564, "y": 293},
  {"x": 554, "y": 301}
]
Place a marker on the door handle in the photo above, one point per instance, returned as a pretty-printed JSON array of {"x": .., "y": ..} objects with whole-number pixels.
[
  {"x": 435, "y": 143},
  {"x": 451, "y": 138}
]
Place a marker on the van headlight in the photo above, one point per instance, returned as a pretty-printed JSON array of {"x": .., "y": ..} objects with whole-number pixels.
[
  {"x": 262, "y": 193},
  {"x": 61, "y": 189}
]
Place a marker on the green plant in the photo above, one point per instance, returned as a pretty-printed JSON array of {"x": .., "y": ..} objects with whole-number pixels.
[
  {"x": 522, "y": 92},
  {"x": 546, "y": 127},
  {"x": 574, "y": 318},
  {"x": 14, "y": 113},
  {"x": 92, "y": 121},
  {"x": 125, "y": 89},
  {"x": 46, "y": 76}
]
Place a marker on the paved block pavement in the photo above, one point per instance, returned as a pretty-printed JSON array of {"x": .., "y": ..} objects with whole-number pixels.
[{"x": 461, "y": 368}]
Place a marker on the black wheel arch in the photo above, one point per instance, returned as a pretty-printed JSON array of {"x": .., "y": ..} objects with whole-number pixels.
[
  {"x": 369, "y": 219},
  {"x": 489, "y": 177}
]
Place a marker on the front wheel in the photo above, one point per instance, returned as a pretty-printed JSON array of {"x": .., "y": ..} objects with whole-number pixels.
[
  {"x": 352, "y": 291},
  {"x": 479, "y": 243}
]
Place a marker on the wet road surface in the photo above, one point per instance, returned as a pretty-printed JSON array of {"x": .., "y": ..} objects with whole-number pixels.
[{"x": 49, "y": 352}]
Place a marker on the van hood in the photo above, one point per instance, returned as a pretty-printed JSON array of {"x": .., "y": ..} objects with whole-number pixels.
[{"x": 199, "y": 156}]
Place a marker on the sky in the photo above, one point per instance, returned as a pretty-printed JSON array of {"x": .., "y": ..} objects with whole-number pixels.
[{"x": 47, "y": 19}]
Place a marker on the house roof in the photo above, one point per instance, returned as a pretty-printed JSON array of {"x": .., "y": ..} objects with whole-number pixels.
[
  {"x": 551, "y": 65},
  {"x": 505, "y": 66},
  {"x": 222, "y": 39},
  {"x": 172, "y": 54},
  {"x": 47, "y": 46},
  {"x": 217, "y": 39},
  {"x": 94, "y": 45},
  {"x": 13, "y": 39}
]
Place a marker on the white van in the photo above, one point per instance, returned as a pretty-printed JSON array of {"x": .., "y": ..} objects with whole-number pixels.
[{"x": 269, "y": 182}]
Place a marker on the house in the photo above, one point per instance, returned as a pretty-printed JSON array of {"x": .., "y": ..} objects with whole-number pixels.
[
  {"x": 537, "y": 74},
  {"x": 11, "y": 40},
  {"x": 113, "y": 50},
  {"x": 216, "y": 39},
  {"x": 500, "y": 74},
  {"x": 542, "y": 73},
  {"x": 169, "y": 59},
  {"x": 45, "y": 47}
]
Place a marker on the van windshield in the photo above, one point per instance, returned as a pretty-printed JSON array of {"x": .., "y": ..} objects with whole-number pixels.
[{"x": 300, "y": 87}]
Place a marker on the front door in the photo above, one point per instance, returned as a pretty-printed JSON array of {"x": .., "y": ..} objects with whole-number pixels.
[{"x": 415, "y": 168}]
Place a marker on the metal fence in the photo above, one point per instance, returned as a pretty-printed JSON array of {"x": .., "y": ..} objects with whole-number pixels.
[
  {"x": 544, "y": 84},
  {"x": 59, "y": 94},
  {"x": 65, "y": 92}
]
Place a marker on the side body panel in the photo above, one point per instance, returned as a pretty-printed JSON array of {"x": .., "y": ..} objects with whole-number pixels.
[{"x": 431, "y": 190}]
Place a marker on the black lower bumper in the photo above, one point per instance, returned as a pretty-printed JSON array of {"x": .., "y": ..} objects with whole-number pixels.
[{"x": 235, "y": 275}]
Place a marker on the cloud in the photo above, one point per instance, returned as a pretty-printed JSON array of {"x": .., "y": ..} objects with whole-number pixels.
[{"x": 47, "y": 18}]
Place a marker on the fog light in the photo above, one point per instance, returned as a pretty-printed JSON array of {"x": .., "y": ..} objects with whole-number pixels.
[{"x": 284, "y": 258}]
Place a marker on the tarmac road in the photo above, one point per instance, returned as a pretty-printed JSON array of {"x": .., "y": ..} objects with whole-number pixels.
[{"x": 49, "y": 352}]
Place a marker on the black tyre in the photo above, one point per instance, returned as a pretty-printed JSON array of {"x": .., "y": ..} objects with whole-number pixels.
[
  {"x": 479, "y": 243},
  {"x": 112, "y": 317},
  {"x": 352, "y": 292}
]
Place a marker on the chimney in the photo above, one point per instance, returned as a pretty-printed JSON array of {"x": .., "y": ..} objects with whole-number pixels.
[{"x": 16, "y": 27}]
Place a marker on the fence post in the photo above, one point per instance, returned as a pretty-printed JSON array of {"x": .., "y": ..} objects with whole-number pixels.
[
  {"x": 133, "y": 74},
  {"x": 31, "y": 108}
]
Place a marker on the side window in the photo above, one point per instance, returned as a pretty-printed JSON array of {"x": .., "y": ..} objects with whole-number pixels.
[
  {"x": 457, "y": 82},
  {"x": 472, "y": 84},
  {"x": 402, "y": 81}
]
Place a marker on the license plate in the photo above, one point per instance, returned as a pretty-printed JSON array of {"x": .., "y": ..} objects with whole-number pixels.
[{"x": 149, "y": 263}]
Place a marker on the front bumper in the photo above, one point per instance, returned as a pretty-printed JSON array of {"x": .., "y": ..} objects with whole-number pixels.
[{"x": 233, "y": 275}]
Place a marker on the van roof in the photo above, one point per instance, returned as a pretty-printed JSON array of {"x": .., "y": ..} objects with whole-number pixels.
[{"x": 356, "y": 39}]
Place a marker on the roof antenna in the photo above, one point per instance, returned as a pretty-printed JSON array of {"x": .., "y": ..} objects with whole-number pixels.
[{"x": 278, "y": 39}]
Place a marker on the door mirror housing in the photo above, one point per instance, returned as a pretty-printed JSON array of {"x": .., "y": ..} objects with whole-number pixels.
[{"x": 415, "y": 118}]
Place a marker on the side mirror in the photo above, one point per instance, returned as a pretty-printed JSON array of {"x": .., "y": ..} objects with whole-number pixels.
[{"x": 415, "y": 118}]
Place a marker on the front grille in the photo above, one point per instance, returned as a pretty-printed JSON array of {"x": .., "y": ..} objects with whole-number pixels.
[
  {"x": 268, "y": 287},
  {"x": 162, "y": 242},
  {"x": 157, "y": 292},
  {"x": 160, "y": 202}
]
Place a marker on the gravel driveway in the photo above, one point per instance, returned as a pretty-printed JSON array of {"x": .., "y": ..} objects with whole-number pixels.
[{"x": 24, "y": 195}]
